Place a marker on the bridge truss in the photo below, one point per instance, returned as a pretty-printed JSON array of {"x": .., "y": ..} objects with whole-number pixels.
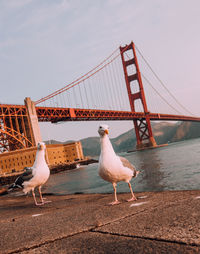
[{"x": 14, "y": 128}]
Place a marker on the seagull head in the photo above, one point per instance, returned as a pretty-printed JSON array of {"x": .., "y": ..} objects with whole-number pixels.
[
  {"x": 41, "y": 146},
  {"x": 103, "y": 130}
]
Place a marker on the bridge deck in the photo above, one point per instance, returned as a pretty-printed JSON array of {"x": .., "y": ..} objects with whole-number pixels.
[
  {"x": 48, "y": 114},
  {"x": 51, "y": 114}
]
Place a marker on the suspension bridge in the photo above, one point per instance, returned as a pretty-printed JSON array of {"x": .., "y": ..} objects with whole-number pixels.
[{"x": 116, "y": 89}]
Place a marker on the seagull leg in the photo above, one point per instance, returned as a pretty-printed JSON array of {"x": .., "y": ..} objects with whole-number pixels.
[
  {"x": 41, "y": 198},
  {"x": 33, "y": 193},
  {"x": 133, "y": 196},
  {"x": 116, "y": 202}
]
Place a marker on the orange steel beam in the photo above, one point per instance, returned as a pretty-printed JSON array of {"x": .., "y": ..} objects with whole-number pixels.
[
  {"x": 18, "y": 137},
  {"x": 13, "y": 127},
  {"x": 50, "y": 114},
  {"x": 54, "y": 115},
  {"x": 12, "y": 110}
]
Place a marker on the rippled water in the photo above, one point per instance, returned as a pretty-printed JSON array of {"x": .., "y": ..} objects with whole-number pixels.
[{"x": 174, "y": 167}]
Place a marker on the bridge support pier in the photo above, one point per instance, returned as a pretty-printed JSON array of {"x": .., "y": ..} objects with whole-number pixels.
[
  {"x": 33, "y": 125},
  {"x": 144, "y": 139},
  {"x": 143, "y": 130}
]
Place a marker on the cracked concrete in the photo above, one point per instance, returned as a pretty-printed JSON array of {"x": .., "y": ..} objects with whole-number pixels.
[{"x": 159, "y": 222}]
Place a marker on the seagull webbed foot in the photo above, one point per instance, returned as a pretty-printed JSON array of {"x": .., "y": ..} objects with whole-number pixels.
[
  {"x": 132, "y": 199},
  {"x": 39, "y": 204},
  {"x": 42, "y": 203},
  {"x": 116, "y": 202}
]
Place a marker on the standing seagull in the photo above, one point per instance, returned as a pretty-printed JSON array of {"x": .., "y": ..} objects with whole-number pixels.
[
  {"x": 35, "y": 176},
  {"x": 113, "y": 168}
]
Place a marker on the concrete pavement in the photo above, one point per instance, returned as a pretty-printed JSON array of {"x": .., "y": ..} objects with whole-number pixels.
[{"x": 158, "y": 222}]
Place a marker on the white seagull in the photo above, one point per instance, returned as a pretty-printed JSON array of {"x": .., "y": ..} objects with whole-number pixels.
[
  {"x": 35, "y": 176},
  {"x": 113, "y": 168}
]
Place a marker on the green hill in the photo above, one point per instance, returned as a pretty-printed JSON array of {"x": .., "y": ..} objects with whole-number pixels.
[{"x": 164, "y": 132}]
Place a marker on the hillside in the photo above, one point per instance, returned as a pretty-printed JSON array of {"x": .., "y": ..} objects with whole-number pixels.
[
  {"x": 186, "y": 130},
  {"x": 164, "y": 132}
]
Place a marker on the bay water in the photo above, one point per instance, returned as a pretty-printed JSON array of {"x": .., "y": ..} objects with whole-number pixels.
[{"x": 173, "y": 167}]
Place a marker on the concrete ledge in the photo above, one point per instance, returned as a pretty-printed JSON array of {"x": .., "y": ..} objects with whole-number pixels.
[{"x": 159, "y": 222}]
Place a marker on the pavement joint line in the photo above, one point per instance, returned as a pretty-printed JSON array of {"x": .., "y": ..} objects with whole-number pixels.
[
  {"x": 146, "y": 238},
  {"x": 47, "y": 242},
  {"x": 70, "y": 235},
  {"x": 134, "y": 214},
  {"x": 129, "y": 215}
]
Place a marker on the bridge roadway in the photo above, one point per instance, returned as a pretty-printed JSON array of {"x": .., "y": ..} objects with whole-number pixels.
[
  {"x": 52, "y": 114},
  {"x": 48, "y": 114}
]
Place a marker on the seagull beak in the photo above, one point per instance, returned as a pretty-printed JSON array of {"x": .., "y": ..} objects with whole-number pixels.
[
  {"x": 106, "y": 131},
  {"x": 42, "y": 147}
]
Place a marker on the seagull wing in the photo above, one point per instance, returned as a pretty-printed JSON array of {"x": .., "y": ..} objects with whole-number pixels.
[
  {"x": 26, "y": 176},
  {"x": 127, "y": 164}
]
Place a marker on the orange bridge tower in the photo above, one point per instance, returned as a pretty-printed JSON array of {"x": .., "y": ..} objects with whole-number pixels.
[{"x": 133, "y": 80}]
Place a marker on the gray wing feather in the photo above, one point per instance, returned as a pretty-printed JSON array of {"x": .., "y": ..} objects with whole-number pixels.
[
  {"x": 127, "y": 164},
  {"x": 26, "y": 176}
]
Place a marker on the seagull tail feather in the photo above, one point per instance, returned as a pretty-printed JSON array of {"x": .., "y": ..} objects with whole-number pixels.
[
  {"x": 13, "y": 187},
  {"x": 136, "y": 173}
]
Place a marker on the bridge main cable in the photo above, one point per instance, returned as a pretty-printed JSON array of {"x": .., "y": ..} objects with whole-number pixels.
[
  {"x": 80, "y": 79},
  {"x": 161, "y": 82}
]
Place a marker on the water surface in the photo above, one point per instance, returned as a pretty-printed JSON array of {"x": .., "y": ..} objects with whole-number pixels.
[{"x": 173, "y": 167}]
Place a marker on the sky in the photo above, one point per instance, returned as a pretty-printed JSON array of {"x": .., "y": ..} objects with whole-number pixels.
[{"x": 45, "y": 45}]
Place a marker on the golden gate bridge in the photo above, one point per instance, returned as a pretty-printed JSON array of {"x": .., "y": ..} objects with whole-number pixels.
[{"x": 113, "y": 90}]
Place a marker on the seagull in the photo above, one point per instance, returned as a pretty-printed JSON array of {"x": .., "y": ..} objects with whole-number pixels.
[
  {"x": 34, "y": 176},
  {"x": 113, "y": 168}
]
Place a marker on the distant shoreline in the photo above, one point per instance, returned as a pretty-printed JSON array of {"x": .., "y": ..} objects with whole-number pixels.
[{"x": 145, "y": 148}]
